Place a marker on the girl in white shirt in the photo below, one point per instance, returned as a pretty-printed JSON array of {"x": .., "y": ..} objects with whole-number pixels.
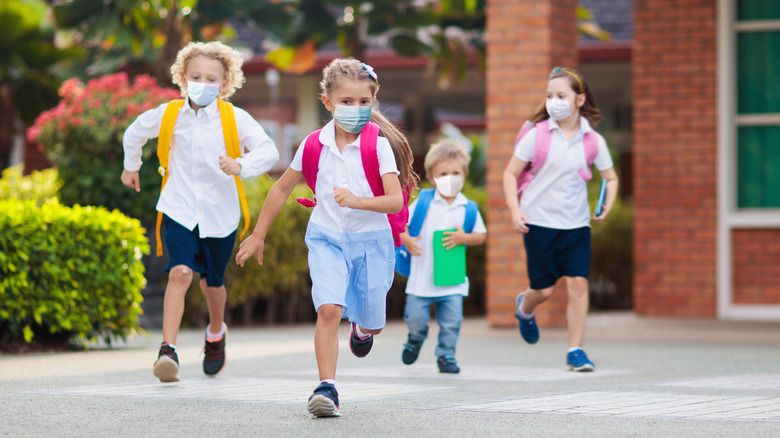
[
  {"x": 351, "y": 255},
  {"x": 553, "y": 213}
]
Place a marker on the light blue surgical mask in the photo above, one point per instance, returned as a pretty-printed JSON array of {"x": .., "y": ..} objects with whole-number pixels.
[
  {"x": 352, "y": 118},
  {"x": 201, "y": 93}
]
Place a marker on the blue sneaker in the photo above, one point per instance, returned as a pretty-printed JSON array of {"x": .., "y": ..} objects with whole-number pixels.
[
  {"x": 577, "y": 360},
  {"x": 528, "y": 328},
  {"x": 325, "y": 401}
]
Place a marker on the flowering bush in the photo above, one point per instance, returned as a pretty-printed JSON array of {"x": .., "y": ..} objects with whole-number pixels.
[{"x": 82, "y": 136}]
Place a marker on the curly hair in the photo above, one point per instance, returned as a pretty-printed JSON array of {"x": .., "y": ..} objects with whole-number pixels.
[{"x": 230, "y": 58}]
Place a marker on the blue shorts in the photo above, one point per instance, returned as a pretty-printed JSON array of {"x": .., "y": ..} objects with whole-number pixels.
[
  {"x": 552, "y": 254},
  {"x": 352, "y": 270},
  {"x": 208, "y": 257}
]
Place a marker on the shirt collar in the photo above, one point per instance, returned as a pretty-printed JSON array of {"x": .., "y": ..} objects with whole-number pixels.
[
  {"x": 584, "y": 125},
  {"x": 460, "y": 198},
  {"x": 328, "y": 136},
  {"x": 211, "y": 110}
]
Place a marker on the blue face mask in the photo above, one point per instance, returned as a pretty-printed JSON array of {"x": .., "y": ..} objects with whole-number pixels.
[
  {"x": 352, "y": 118},
  {"x": 202, "y": 94}
]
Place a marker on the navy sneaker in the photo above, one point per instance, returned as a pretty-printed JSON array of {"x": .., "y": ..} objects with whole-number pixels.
[
  {"x": 577, "y": 360},
  {"x": 411, "y": 351},
  {"x": 447, "y": 365},
  {"x": 325, "y": 401},
  {"x": 214, "y": 356},
  {"x": 528, "y": 328},
  {"x": 359, "y": 347},
  {"x": 166, "y": 368}
]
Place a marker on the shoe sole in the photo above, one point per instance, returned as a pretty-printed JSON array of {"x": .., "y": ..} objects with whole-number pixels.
[
  {"x": 584, "y": 368},
  {"x": 166, "y": 370},
  {"x": 321, "y": 406}
]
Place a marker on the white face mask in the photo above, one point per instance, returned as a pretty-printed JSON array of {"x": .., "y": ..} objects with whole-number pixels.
[
  {"x": 558, "y": 109},
  {"x": 201, "y": 93},
  {"x": 449, "y": 186}
]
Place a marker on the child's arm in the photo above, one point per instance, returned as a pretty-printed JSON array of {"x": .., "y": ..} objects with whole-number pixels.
[
  {"x": 411, "y": 243},
  {"x": 144, "y": 127},
  {"x": 391, "y": 202},
  {"x": 612, "y": 189},
  {"x": 254, "y": 244},
  {"x": 511, "y": 173},
  {"x": 460, "y": 237},
  {"x": 260, "y": 152}
]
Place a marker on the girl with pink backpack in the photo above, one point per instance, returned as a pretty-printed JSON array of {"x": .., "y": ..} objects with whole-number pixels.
[
  {"x": 360, "y": 168},
  {"x": 546, "y": 193}
]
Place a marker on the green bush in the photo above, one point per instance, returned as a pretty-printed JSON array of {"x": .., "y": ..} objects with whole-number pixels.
[
  {"x": 38, "y": 186},
  {"x": 282, "y": 283},
  {"x": 69, "y": 272}
]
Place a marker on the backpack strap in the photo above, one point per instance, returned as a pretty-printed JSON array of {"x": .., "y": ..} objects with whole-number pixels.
[
  {"x": 310, "y": 165},
  {"x": 541, "y": 149},
  {"x": 590, "y": 143},
  {"x": 233, "y": 147},
  {"x": 424, "y": 199},
  {"x": 163, "y": 151},
  {"x": 471, "y": 216}
]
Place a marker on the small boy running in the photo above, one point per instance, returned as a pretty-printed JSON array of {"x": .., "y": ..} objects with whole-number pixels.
[
  {"x": 446, "y": 167},
  {"x": 200, "y": 202}
]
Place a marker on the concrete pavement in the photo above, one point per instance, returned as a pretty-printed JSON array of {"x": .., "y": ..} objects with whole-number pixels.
[{"x": 654, "y": 377}]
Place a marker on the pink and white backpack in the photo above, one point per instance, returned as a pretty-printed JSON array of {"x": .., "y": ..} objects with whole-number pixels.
[
  {"x": 542, "y": 148},
  {"x": 312, "y": 150}
]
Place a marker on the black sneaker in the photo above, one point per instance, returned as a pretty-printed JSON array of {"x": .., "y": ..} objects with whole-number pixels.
[
  {"x": 166, "y": 368},
  {"x": 325, "y": 401},
  {"x": 214, "y": 358},
  {"x": 411, "y": 351},
  {"x": 359, "y": 347},
  {"x": 447, "y": 365}
]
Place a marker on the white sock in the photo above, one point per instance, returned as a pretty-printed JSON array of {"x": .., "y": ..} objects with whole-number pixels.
[
  {"x": 574, "y": 349},
  {"x": 523, "y": 314},
  {"x": 331, "y": 381},
  {"x": 215, "y": 336},
  {"x": 361, "y": 334}
]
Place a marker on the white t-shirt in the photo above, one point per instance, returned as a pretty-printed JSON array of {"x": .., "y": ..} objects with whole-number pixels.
[
  {"x": 440, "y": 216},
  {"x": 345, "y": 170},
  {"x": 558, "y": 197}
]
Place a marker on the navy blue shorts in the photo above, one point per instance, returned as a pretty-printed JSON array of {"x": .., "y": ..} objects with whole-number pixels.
[
  {"x": 208, "y": 257},
  {"x": 552, "y": 254}
]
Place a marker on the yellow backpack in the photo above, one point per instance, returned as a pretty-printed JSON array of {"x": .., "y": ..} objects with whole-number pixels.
[{"x": 230, "y": 132}]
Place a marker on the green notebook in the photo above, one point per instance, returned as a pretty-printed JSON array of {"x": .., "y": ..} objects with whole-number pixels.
[{"x": 449, "y": 266}]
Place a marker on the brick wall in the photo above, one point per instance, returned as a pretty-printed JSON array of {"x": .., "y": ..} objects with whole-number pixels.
[
  {"x": 526, "y": 38},
  {"x": 674, "y": 68},
  {"x": 755, "y": 254}
]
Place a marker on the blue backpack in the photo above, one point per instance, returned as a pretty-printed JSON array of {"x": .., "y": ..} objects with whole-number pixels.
[{"x": 403, "y": 260}]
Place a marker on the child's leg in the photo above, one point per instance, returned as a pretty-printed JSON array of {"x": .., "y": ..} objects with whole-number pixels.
[
  {"x": 417, "y": 313},
  {"x": 179, "y": 279},
  {"x": 326, "y": 339},
  {"x": 215, "y": 297},
  {"x": 449, "y": 315},
  {"x": 533, "y": 298},
  {"x": 577, "y": 309}
]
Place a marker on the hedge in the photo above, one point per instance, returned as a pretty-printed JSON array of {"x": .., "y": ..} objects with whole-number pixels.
[{"x": 69, "y": 271}]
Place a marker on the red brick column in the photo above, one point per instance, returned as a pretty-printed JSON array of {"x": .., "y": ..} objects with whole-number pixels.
[
  {"x": 526, "y": 38},
  {"x": 674, "y": 68}
]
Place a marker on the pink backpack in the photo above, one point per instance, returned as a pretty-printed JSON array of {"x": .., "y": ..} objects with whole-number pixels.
[
  {"x": 368, "y": 154},
  {"x": 543, "y": 139}
]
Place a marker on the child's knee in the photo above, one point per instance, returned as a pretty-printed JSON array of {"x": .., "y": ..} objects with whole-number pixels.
[
  {"x": 329, "y": 312},
  {"x": 180, "y": 275}
]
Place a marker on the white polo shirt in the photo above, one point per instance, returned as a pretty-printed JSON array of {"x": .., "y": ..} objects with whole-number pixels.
[
  {"x": 198, "y": 192},
  {"x": 345, "y": 170},
  {"x": 440, "y": 216},
  {"x": 558, "y": 197}
]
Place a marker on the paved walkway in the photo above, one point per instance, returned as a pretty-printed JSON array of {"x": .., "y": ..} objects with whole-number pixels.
[{"x": 654, "y": 377}]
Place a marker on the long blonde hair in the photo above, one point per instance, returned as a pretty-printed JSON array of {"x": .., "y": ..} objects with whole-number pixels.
[{"x": 351, "y": 69}]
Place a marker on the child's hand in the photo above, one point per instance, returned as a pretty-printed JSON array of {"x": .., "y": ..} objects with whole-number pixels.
[
  {"x": 249, "y": 247},
  {"x": 411, "y": 245},
  {"x": 600, "y": 219},
  {"x": 454, "y": 238},
  {"x": 519, "y": 220},
  {"x": 229, "y": 166},
  {"x": 130, "y": 179},
  {"x": 345, "y": 198}
]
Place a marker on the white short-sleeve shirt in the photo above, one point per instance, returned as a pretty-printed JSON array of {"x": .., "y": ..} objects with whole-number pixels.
[
  {"x": 440, "y": 216},
  {"x": 345, "y": 169},
  {"x": 558, "y": 197}
]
